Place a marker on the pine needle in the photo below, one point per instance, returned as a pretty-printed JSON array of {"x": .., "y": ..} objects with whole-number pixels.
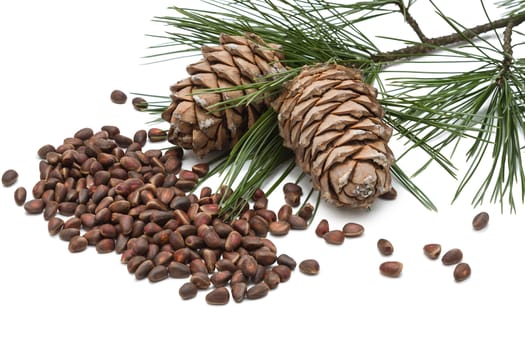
[
  {"x": 485, "y": 102},
  {"x": 513, "y": 6},
  {"x": 252, "y": 161}
]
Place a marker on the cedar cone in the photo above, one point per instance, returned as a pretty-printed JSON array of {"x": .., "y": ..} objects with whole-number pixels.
[
  {"x": 195, "y": 123},
  {"x": 333, "y": 122}
]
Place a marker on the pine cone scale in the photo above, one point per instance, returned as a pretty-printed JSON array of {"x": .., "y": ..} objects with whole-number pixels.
[
  {"x": 337, "y": 95},
  {"x": 318, "y": 113},
  {"x": 204, "y": 80},
  {"x": 224, "y": 72},
  {"x": 340, "y": 174},
  {"x": 217, "y": 55},
  {"x": 184, "y": 94},
  {"x": 201, "y": 66},
  {"x": 237, "y": 50},
  {"x": 247, "y": 68},
  {"x": 372, "y": 106},
  {"x": 316, "y": 89},
  {"x": 185, "y": 112},
  {"x": 352, "y": 108}
]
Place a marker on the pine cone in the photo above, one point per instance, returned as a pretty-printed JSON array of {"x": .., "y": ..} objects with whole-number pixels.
[
  {"x": 195, "y": 124},
  {"x": 333, "y": 122}
]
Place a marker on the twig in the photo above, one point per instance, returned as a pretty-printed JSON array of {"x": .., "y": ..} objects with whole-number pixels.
[
  {"x": 437, "y": 42},
  {"x": 412, "y": 22},
  {"x": 507, "y": 47},
  {"x": 507, "y": 52}
]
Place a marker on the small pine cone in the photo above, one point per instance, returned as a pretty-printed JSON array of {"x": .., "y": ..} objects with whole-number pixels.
[
  {"x": 237, "y": 60},
  {"x": 333, "y": 122}
]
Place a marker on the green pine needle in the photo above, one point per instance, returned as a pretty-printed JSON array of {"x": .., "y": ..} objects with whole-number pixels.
[
  {"x": 408, "y": 184},
  {"x": 486, "y": 102},
  {"x": 268, "y": 87},
  {"x": 309, "y": 31},
  {"x": 513, "y": 6},
  {"x": 252, "y": 161}
]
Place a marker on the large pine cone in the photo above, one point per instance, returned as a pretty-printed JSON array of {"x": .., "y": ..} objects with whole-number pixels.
[
  {"x": 195, "y": 123},
  {"x": 333, "y": 122}
]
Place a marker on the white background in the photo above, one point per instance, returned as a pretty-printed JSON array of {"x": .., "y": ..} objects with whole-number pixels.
[{"x": 61, "y": 59}]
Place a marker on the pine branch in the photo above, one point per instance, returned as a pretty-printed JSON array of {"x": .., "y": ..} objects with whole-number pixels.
[
  {"x": 412, "y": 21},
  {"x": 437, "y": 43},
  {"x": 485, "y": 105},
  {"x": 487, "y": 97},
  {"x": 507, "y": 51}
]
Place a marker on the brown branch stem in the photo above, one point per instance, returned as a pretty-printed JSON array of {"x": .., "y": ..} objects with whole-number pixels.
[
  {"x": 433, "y": 44},
  {"x": 507, "y": 51},
  {"x": 412, "y": 22},
  {"x": 507, "y": 46}
]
